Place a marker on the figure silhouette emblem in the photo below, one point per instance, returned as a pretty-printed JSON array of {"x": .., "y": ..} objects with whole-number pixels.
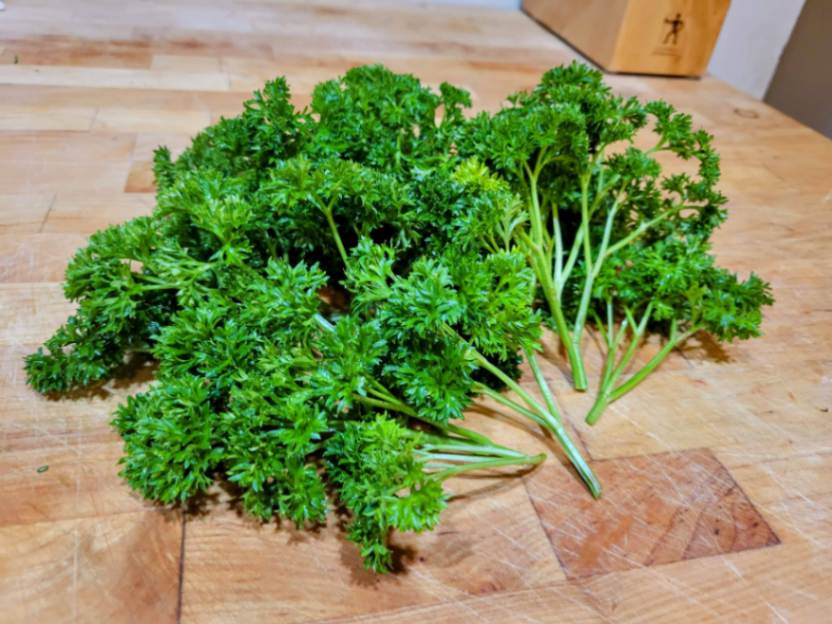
[{"x": 676, "y": 25}]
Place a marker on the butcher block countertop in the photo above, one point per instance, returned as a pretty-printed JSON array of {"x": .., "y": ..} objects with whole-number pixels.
[{"x": 717, "y": 470}]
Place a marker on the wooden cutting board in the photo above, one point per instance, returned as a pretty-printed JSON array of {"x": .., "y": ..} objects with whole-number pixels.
[{"x": 718, "y": 469}]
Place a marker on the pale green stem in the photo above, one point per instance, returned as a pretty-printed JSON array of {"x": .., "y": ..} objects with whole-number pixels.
[
  {"x": 641, "y": 229},
  {"x": 541, "y": 383},
  {"x": 512, "y": 405},
  {"x": 489, "y": 463},
  {"x": 334, "y": 229}
]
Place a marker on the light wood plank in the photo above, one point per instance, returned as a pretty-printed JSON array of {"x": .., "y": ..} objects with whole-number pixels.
[
  {"x": 54, "y": 75},
  {"x": 132, "y": 120},
  {"x": 45, "y": 118},
  {"x": 117, "y": 568}
]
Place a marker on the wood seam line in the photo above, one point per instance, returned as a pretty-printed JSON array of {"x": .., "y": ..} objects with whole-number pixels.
[
  {"x": 543, "y": 528},
  {"x": 751, "y": 503},
  {"x": 180, "y": 589}
]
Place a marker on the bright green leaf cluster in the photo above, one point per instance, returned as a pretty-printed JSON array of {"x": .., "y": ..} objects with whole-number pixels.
[
  {"x": 327, "y": 290},
  {"x": 312, "y": 285}
]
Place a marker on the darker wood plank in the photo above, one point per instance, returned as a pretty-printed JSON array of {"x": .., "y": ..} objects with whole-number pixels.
[{"x": 656, "y": 509}]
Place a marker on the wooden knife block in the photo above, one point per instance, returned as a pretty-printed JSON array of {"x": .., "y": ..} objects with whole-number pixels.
[{"x": 673, "y": 37}]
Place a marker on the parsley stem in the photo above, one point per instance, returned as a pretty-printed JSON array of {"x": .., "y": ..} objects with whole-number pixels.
[
  {"x": 558, "y": 236},
  {"x": 541, "y": 383},
  {"x": 428, "y": 453},
  {"x": 613, "y": 344},
  {"x": 378, "y": 403},
  {"x": 609, "y": 392},
  {"x": 489, "y": 463},
  {"x": 323, "y": 322},
  {"x": 508, "y": 381},
  {"x": 593, "y": 265},
  {"x": 469, "y": 450},
  {"x": 504, "y": 400},
  {"x": 471, "y": 435},
  {"x": 651, "y": 365},
  {"x": 534, "y": 212},
  {"x": 638, "y": 333},
  {"x": 641, "y": 229},
  {"x": 334, "y": 229},
  {"x": 551, "y": 422},
  {"x": 570, "y": 261},
  {"x": 386, "y": 400},
  {"x": 554, "y": 426},
  {"x": 584, "y": 181},
  {"x": 573, "y": 352},
  {"x": 541, "y": 267},
  {"x": 598, "y": 408}
]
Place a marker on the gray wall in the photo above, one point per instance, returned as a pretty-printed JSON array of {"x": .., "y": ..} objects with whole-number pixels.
[
  {"x": 802, "y": 85},
  {"x": 753, "y": 37}
]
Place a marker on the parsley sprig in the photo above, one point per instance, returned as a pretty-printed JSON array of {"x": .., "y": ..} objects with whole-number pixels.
[{"x": 611, "y": 237}]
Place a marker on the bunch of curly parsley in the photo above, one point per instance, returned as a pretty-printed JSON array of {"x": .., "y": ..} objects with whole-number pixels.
[{"x": 327, "y": 290}]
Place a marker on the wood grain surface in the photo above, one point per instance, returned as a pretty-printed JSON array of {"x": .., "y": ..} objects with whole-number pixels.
[{"x": 718, "y": 469}]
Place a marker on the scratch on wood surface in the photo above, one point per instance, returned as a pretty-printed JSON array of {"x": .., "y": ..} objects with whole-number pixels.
[{"x": 48, "y": 212}]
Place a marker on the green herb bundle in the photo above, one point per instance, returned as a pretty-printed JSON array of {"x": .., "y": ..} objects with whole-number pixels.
[
  {"x": 612, "y": 239},
  {"x": 327, "y": 290}
]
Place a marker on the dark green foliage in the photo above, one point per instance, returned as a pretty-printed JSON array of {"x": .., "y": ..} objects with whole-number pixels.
[
  {"x": 384, "y": 120},
  {"x": 170, "y": 440},
  {"x": 431, "y": 319},
  {"x": 674, "y": 280},
  {"x": 258, "y": 379},
  {"x": 327, "y": 290},
  {"x": 383, "y": 484}
]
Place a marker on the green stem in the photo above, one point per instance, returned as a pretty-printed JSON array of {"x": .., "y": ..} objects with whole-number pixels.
[
  {"x": 452, "y": 446},
  {"x": 542, "y": 269},
  {"x": 333, "y": 228},
  {"x": 558, "y": 259},
  {"x": 638, "y": 333},
  {"x": 654, "y": 362},
  {"x": 541, "y": 383},
  {"x": 490, "y": 463},
  {"x": 645, "y": 370},
  {"x": 612, "y": 371},
  {"x": 388, "y": 400},
  {"x": 508, "y": 381},
  {"x": 324, "y": 322},
  {"x": 534, "y": 212},
  {"x": 573, "y": 353},
  {"x": 612, "y": 351},
  {"x": 608, "y": 393},
  {"x": 574, "y": 456},
  {"x": 641, "y": 229},
  {"x": 570, "y": 261},
  {"x": 513, "y": 405},
  {"x": 384, "y": 399},
  {"x": 385, "y": 395},
  {"x": 471, "y": 435},
  {"x": 586, "y": 295},
  {"x": 598, "y": 408},
  {"x": 372, "y": 402},
  {"x": 553, "y": 425},
  {"x": 585, "y": 222}
]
